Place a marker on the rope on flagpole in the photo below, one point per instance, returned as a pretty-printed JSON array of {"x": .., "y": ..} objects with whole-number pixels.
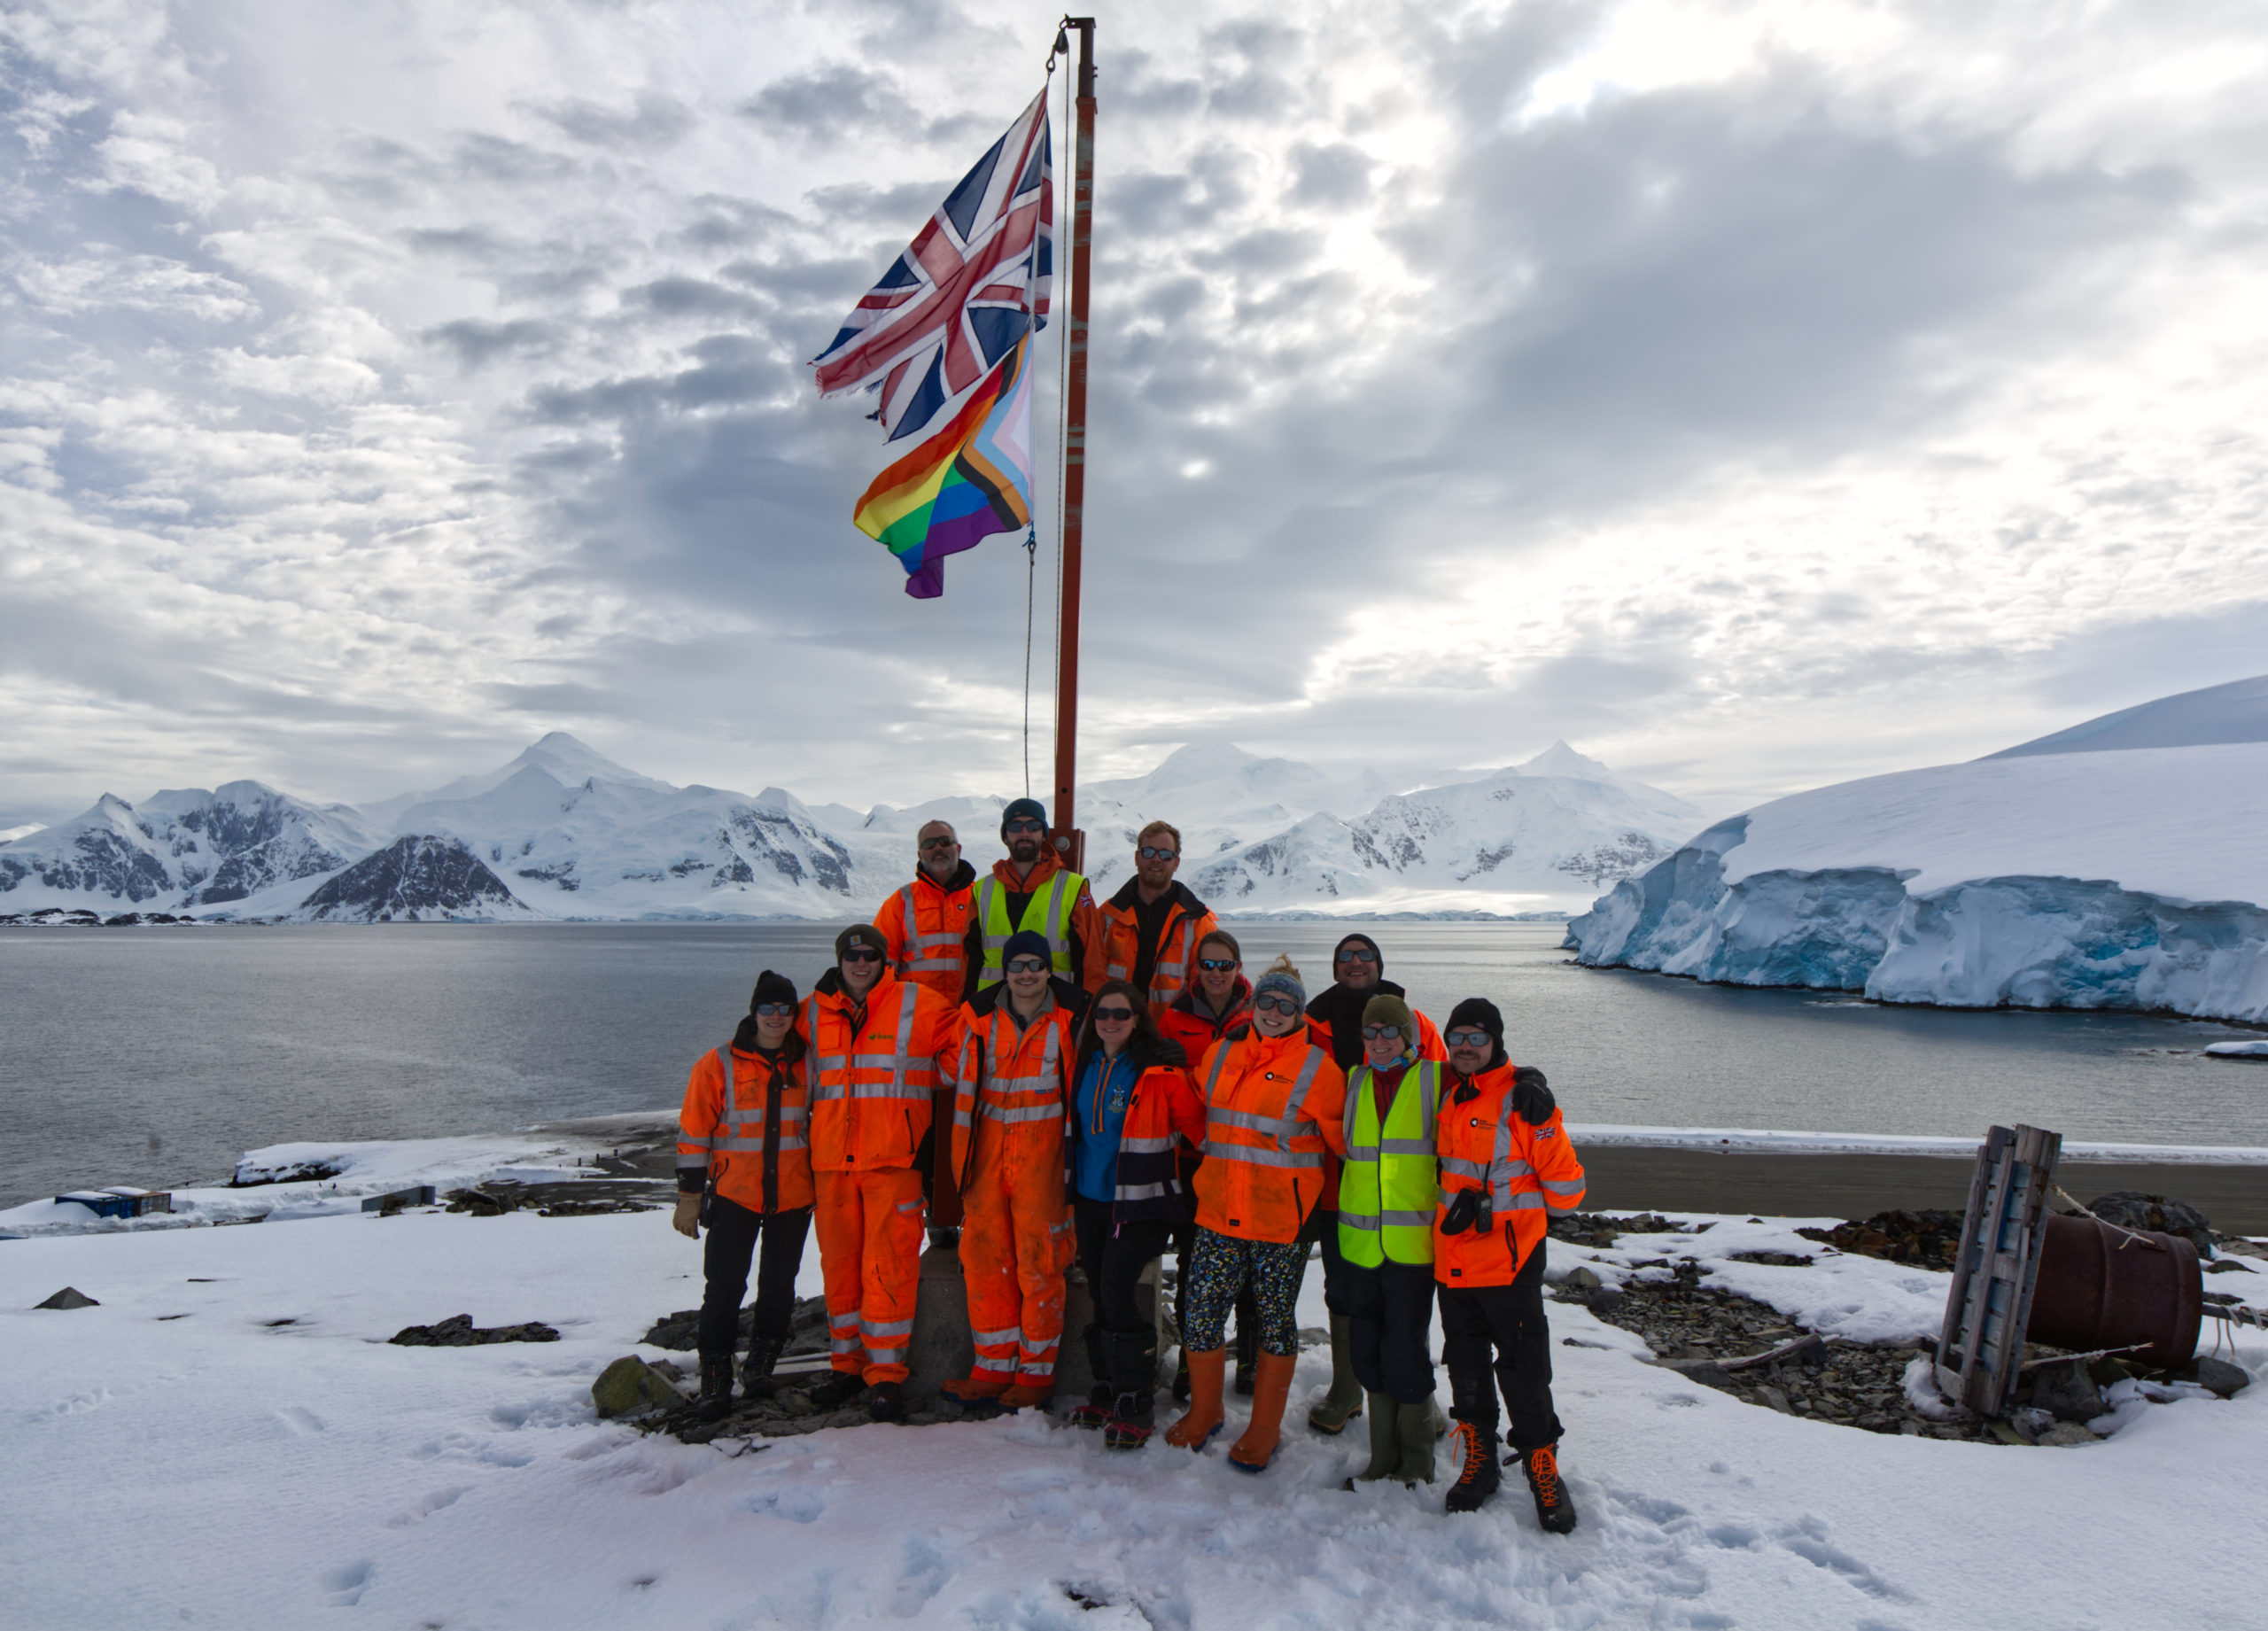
[{"x": 1031, "y": 584}]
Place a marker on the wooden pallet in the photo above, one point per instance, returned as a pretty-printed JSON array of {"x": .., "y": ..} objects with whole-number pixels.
[{"x": 1990, "y": 1304}]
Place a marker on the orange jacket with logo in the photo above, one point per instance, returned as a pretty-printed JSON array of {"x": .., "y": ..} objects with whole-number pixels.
[
  {"x": 1273, "y": 1110},
  {"x": 1010, "y": 1085},
  {"x": 926, "y": 926},
  {"x": 872, "y": 1070},
  {"x": 745, "y": 1114},
  {"x": 1188, "y": 920},
  {"x": 1528, "y": 1172}
]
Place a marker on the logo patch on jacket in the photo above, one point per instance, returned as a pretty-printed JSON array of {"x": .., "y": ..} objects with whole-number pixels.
[{"x": 1541, "y": 1133}]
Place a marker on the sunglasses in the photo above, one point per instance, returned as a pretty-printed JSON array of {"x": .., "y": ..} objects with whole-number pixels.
[
  {"x": 1113, "y": 1016},
  {"x": 1026, "y": 965},
  {"x": 860, "y": 954},
  {"x": 1151, "y": 853},
  {"x": 1217, "y": 965},
  {"x": 1354, "y": 954},
  {"x": 1273, "y": 1003},
  {"x": 1381, "y": 1033},
  {"x": 775, "y": 1010},
  {"x": 940, "y": 844},
  {"x": 1467, "y": 1038},
  {"x": 1025, "y": 825}
]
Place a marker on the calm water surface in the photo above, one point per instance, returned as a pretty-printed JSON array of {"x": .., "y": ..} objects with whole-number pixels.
[{"x": 156, "y": 1056}]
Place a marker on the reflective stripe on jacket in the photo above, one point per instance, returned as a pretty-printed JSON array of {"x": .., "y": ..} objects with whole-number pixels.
[
  {"x": 1052, "y": 911},
  {"x": 925, "y": 925},
  {"x": 871, "y": 1076},
  {"x": 746, "y": 1120},
  {"x": 1429, "y": 1047},
  {"x": 1011, "y": 1085},
  {"x": 1188, "y": 920},
  {"x": 1388, "y": 1187},
  {"x": 1274, "y": 1107},
  {"x": 1529, "y": 1173}
]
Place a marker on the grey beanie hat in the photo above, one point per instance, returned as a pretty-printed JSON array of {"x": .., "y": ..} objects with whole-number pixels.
[{"x": 1277, "y": 980}]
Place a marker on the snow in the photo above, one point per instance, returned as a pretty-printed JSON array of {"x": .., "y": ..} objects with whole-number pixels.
[
  {"x": 2239, "y": 1049},
  {"x": 183, "y": 1458},
  {"x": 1761, "y": 1141},
  {"x": 2233, "y": 712},
  {"x": 2129, "y": 878}
]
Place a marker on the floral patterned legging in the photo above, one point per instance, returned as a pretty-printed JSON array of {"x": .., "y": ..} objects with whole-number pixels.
[{"x": 1219, "y": 1265}]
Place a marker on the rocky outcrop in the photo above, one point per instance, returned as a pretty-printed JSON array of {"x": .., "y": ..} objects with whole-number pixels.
[{"x": 415, "y": 879}]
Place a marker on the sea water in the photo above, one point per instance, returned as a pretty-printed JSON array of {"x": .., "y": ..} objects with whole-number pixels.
[{"x": 155, "y": 1056}]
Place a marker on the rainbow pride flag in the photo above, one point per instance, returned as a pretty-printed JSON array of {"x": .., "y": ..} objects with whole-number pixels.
[{"x": 971, "y": 479}]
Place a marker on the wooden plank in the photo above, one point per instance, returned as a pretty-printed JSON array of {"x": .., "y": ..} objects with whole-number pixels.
[{"x": 1981, "y": 1346}]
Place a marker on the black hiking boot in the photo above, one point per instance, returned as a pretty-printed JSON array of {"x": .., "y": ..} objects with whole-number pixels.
[
  {"x": 755, "y": 1370},
  {"x": 835, "y": 1390},
  {"x": 1133, "y": 1372},
  {"x": 1555, "y": 1507},
  {"x": 715, "y": 1400},
  {"x": 1096, "y": 1411},
  {"x": 1477, "y": 1477},
  {"x": 885, "y": 1402}
]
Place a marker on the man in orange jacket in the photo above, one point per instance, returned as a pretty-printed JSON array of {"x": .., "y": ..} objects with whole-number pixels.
[
  {"x": 1506, "y": 1166},
  {"x": 1011, "y": 1083},
  {"x": 878, "y": 1045},
  {"x": 1151, "y": 927},
  {"x": 926, "y": 926}
]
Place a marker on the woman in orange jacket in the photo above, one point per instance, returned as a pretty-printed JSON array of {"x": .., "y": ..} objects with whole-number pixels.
[
  {"x": 1274, "y": 1104},
  {"x": 744, "y": 1168}
]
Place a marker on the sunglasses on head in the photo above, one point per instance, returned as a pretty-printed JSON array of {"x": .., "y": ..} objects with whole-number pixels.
[
  {"x": 860, "y": 954},
  {"x": 1151, "y": 853},
  {"x": 1273, "y": 1003},
  {"x": 1381, "y": 1033},
  {"x": 1026, "y": 965},
  {"x": 1025, "y": 824},
  {"x": 1467, "y": 1038},
  {"x": 1354, "y": 954},
  {"x": 1113, "y": 1016},
  {"x": 775, "y": 1010},
  {"x": 1217, "y": 965}
]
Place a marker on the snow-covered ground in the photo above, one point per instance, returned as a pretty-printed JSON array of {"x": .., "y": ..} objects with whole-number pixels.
[
  {"x": 2088, "y": 870},
  {"x": 228, "y": 1439}
]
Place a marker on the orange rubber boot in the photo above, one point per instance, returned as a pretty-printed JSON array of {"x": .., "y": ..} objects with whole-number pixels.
[
  {"x": 1271, "y": 1387},
  {"x": 1206, "y": 1374}
]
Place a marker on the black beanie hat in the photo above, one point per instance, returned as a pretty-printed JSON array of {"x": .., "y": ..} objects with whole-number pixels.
[
  {"x": 1026, "y": 942},
  {"x": 1479, "y": 1011},
  {"x": 772, "y": 988},
  {"x": 861, "y": 935},
  {"x": 1377, "y": 958},
  {"x": 1030, "y": 807}
]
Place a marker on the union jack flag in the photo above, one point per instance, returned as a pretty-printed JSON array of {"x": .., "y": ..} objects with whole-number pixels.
[{"x": 975, "y": 282}]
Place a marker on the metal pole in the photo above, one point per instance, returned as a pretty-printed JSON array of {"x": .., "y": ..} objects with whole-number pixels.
[{"x": 1070, "y": 842}]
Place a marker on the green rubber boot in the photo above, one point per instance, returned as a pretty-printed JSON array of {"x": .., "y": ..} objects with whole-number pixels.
[
  {"x": 1385, "y": 1443},
  {"x": 1416, "y": 1431},
  {"x": 1344, "y": 1401}
]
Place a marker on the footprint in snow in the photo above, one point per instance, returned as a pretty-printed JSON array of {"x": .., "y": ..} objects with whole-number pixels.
[
  {"x": 347, "y": 1583},
  {"x": 425, "y": 1506}
]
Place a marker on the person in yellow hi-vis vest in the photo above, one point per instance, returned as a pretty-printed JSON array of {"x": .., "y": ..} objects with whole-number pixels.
[
  {"x": 1033, "y": 890},
  {"x": 1387, "y": 1190}
]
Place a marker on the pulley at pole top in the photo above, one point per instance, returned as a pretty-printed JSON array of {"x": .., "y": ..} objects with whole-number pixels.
[{"x": 1071, "y": 844}]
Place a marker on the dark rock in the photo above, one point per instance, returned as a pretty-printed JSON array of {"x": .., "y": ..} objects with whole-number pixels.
[
  {"x": 2218, "y": 1376},
  {"x": 1930, "y": 1238},
  {"x": 630, "y": 1386},
  {"x": 457, "y": 1331},
  {"x": 1778, "y": 1260},
  {"x": 2064, "y": 1435},
  {"x": 681, "y": 1331},
  {"x": 69, "y": 1297},
  {"x": 2129, "y": 1209},
  {"x": 2067, "y": 1391},
  {"x": 2230, "y": 1265},
  {"x": 1601, "y": 1228},
  {"x": 1708, "y": 1372}
]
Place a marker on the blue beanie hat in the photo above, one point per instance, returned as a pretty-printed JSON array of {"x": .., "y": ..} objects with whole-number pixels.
[{"x": 1026, "y": 942}]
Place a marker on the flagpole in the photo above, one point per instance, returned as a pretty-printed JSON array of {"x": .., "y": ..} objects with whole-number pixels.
[{"x": 1070, "y": 842}]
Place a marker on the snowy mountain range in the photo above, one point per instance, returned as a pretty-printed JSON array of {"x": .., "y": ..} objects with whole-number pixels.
[
  {"x": 562, "y": 831},
  {"x": 2117, "y": 863}
]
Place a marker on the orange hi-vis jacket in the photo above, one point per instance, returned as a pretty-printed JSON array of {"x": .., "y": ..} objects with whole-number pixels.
[
  {"x": 1528, "y": 1172},
  {"x": 1014, "y": 1082},
  {"x": 1188, "y": 920},
  {"x": 746, "y": 1120},
  {"x": 1274, "y": 1105},
  {"x": 926, "y": 926},
  {"x": 872, "y": 1072}
]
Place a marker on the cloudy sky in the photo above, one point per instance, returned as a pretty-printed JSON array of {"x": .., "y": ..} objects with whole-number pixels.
[{"x": 1755, "y": 395}]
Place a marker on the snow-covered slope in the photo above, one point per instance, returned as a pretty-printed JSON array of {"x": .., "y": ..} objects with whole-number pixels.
[
  {"x": 2101, "y": 877},
  {"x": 2233, "y": 712}
]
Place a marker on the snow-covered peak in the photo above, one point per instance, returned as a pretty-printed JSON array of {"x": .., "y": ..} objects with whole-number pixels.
[
  {"x": 564, "y": 760},
  {"x": 1559, "y": 759},
  {"x": 9, "y": 835},
  {"x": 2234, "y": 712}
]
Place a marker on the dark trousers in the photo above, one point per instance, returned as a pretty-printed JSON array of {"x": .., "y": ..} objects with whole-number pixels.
[
  {"x": 1113, "y": 1261},
  {"x": 1390, "y": 1320},
  {"x": 1335, "y": 1270},
  {"x": 1501, "y": 1326},
  {"x": 732, "y": 1233}
]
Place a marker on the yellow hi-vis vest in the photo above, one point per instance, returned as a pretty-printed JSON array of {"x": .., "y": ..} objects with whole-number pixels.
[
  {"x": 1047, "y": 912},
  {"x": 1390, "y": 1182}
]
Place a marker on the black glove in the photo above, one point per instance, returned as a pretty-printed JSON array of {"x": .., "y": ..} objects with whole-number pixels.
[
  {"x": 1469, "y": 1210},
  {"x": 1531, "y": 1096}
]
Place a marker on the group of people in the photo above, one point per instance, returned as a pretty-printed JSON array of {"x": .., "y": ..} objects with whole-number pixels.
[{"x": 1066, "y": 1083}]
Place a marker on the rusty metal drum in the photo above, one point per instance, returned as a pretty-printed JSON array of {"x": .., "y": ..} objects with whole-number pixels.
[{"x": 2101, "y": 1287}]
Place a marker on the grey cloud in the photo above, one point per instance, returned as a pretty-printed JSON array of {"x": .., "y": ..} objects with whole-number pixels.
[
  {"x": 498, "y": 158},
  {"x": 908, "y": 203},
  {"x": 696, "y": 297},
  {"x": 1338, "y": 174},
  {"x": 475, "y": 342},
  {"x": 651, "y": 120},
  {"x": 727, "y": 223},
  {"x": 827, "y": 102}
]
